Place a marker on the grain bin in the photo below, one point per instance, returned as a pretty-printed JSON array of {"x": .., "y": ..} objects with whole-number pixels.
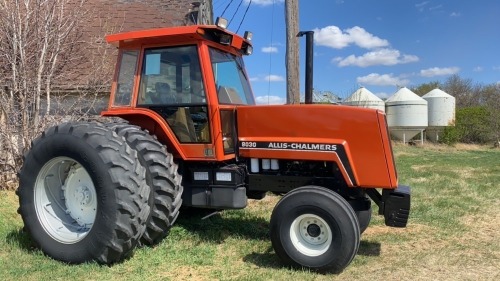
[
  {"x": 441, "y": 112},
  {"x": 362, "y": 97},
  {"x": 406, "y": 114}
]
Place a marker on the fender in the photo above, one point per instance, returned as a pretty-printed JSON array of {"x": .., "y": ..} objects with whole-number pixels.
[{"x": 156, "y": 125}]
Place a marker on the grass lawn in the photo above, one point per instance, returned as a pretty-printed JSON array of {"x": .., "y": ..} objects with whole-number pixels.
[{"x": 453, "y": 234}]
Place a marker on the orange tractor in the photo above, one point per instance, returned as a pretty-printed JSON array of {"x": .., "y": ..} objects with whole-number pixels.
[{"x": 193, "y": 136}]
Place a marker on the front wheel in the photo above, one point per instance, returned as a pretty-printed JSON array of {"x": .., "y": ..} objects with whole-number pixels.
[
  {"x": 364, "y": 218},
  {"x": 316, "y": 228}
]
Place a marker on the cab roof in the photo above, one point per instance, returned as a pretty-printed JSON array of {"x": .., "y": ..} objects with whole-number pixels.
[{"x": 179, "y": 34}]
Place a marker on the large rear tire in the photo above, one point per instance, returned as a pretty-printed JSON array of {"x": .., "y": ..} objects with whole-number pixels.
[
  {"x": 316, "y": 228},
  {"x": 161, "y": 176},
  {"x": 82, "y": 194}
]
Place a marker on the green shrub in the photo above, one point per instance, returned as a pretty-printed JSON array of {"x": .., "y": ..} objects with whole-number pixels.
[
  {"x": 450, "y": 136},
  {"x": 472, "y": 124}
]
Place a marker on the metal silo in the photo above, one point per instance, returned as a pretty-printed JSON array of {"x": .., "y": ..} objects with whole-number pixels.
[
  {"x": 441, "y": 112},
  {"x": 362, "y": 97},
  {"x": 406, "y": 114}
]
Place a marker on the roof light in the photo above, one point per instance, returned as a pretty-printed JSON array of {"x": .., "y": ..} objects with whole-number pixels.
[
  {"x": 225, "y": 39},
  {"x": 248, "y": 35},
  {"x": 249, "y": 50},
  {"x": 221, "y": 22}
]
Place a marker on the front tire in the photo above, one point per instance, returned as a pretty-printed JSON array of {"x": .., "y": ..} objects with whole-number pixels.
[
  {"x": 364, "y": 218},
  {"x": 316, "y": 228},
  {"x": 82, "y": 195}
]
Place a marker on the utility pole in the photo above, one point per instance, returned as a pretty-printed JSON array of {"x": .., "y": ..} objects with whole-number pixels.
[{"x": 292, "y": 51}]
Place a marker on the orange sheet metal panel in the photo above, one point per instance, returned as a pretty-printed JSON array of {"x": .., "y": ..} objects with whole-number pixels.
[
  {"x": 151, "y": 121},
  {"x": 119, "y": 39},
  {"x": 302, "y": 129}
]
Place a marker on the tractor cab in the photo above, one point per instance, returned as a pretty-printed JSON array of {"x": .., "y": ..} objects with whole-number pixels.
[{"x": 183, "y": 84}]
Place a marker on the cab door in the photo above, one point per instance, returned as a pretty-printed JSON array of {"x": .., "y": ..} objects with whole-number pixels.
[
  {"x": 171, "y": 85},
  {"x": 233, "y": 90}
]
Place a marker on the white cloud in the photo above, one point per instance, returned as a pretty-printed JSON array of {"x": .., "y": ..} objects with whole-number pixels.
[
  {"x": 333, "y": 37},
  {"x": 435, "y": 7},
  {"x": 382, "y": 80},
  {"x": 274, "y": 78},
  {"x": 378, "y": 57},
  {"x": 382, "y": 95},
  {"x": 264, "y": 2},
  {"x": 268, "y": 78},
  {"x": 438, "y": 71},
  {"x": 270, "y": 49},
  {"x": 455, "y": 15},
  {"x": 270, "y": 100},
  {"x": 421, "y": 6},
  {"x": 477, "y": 69},
  {"x": 496, "y": 68}
]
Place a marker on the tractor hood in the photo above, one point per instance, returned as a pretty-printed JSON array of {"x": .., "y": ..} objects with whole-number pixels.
[{"x": 343, "y": 134}]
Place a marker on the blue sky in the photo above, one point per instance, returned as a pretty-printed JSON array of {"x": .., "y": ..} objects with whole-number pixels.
[{"x": 378, "y": 44}]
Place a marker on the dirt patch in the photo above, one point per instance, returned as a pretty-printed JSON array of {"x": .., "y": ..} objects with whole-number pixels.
[
  {"x": 411, "y": 230},
  {"x": 466, "y": 147},
  {"x": 420, "y": 180},
  {"x": 265, "y": 204},
  {"x": 404, "y": 153},
  {"x": 483, "y": 227},
  {"x": 188, "y": 273},
  {"x": 468, "y": 172},
  {"x": 419, "y": 168}
]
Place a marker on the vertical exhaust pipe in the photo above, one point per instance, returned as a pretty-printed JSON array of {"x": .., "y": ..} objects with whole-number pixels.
[{"x": 309, "y": 64}]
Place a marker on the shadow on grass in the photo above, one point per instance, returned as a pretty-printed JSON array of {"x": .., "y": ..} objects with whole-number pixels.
[
  {"x": 269, "y": 259},
  {"x": 217, "y": 228},
  {"x": 369, "y": 249},
  {"x": 21, "y": 239}
]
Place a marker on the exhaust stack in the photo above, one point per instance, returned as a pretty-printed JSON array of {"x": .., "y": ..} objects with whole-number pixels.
[{"x": 309, "y": 64}]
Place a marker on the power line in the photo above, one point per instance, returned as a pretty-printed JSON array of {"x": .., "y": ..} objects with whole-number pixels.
[
  {"x": 244, "y": 15},
  {"x": 230, "y": 2},
  {"x": 235, "y": 12},
  {"x": 220, "y": 4}
]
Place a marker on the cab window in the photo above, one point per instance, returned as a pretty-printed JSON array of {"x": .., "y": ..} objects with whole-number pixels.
[
  {"x": 125, "y": 83},
  {"x": 172, "y": 86},
  {"x": 230, "y": 78}
]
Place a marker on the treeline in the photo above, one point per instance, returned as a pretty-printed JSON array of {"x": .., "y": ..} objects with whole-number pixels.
[{"x": 477, "y": 117}]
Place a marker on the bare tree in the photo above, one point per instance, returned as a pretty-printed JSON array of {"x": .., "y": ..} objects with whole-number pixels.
[
  {"x": 465, "y": 91},
  {"x": 490, "y": 97},
  {"x": 36, "y": 40},
  {"x": 424, "y": 88}
]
